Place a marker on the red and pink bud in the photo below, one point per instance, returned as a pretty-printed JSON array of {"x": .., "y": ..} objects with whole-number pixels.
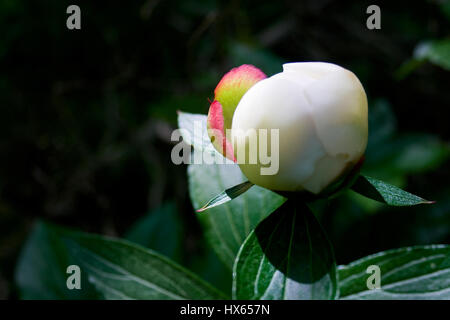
[{"x": 227, "y": 95}]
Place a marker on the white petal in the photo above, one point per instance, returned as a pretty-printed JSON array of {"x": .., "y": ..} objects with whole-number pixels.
[
  {"x": 327, "y": 170},
  {"x": 315, "y": 70},
  {"x": 340, "y": 113},
  {"x": 277, "y": 103}
]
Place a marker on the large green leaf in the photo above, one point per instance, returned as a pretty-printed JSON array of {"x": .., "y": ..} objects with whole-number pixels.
[
  {"x": 383, "y": 192},
  {"x": 206, "y": 264},
  {"x": 287, "y": 256},
  {"x": 421, "y": 272},
  {"x": 228, "y": 225},
  {"x": 160, "y": 230},
  {"x": 122, "y": 270},
  {"x": 41, "y": 268}
]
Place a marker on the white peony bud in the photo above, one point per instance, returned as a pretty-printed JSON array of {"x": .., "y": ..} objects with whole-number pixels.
[{"x": 320, "y": 110}]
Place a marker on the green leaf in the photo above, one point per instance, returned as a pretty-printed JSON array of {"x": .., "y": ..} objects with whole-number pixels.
[
  {"x": 228, "y": 225},
  {"x": 421, "y": 272},
  {"x": 206, "y": 264},
  {"x": 194, "y": 131},
  {"x": 386, "y": 193},
  {"x": 122, "y": 270},
  {"x": 287, "y": 256},
  {"x": 160, "y": 230},
  {"x": 227, "y": 195},
  {"x": 41, "y": 269},
  {"x": 437, "y": 52}
]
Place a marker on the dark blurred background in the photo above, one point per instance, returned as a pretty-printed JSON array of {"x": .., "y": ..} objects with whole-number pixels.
[{"x": 86, "y": 115}]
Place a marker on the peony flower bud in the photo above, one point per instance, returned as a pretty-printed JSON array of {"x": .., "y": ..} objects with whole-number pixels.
[{"x": 320, "y": 111}]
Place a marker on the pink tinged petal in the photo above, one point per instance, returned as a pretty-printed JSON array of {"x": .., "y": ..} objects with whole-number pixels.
[
  {"x": 215, "y": 116},
  {"x": 233, "y": 86},
  {"x": 216, "y": 131},
  {"x": 239, "y": 77}
]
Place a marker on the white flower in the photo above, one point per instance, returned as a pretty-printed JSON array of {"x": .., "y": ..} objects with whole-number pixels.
[{"x": 320, "y": 110}]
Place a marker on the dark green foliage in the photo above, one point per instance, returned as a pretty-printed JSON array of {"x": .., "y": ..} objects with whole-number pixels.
[{"x": 86, "y": 118}]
